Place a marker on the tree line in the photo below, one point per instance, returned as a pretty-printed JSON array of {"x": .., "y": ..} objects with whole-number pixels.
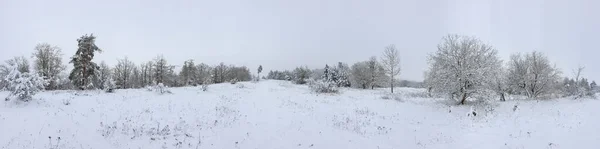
[
  {"x": 462, "y": 68},
  {"x": 86, "y": 74}
]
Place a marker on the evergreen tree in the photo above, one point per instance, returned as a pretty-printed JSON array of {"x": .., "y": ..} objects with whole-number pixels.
[
  {"x": 326, "y": 73},
  {"x": 188, "y": 73},
  {"x": 23, "y": 85},
  {"x": 83, "y": 68},
  {"x": 343, "y": 75},
  {"x": 259, "y": 71}
]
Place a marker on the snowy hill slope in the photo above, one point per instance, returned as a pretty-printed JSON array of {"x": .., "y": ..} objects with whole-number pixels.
[{"x": 280, "y": 115}]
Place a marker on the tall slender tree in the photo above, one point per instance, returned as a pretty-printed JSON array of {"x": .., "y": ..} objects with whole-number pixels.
[
  {"x": 259, "y": 71},
  {"x": 391, "y": 63}
]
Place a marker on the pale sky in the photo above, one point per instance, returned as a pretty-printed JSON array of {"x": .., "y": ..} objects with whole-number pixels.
[{"x": 282, "y": 34}]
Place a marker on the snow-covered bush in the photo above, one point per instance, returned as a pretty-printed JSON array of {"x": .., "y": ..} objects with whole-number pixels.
[
  {"x": 23, "y": 85},
  {"x": 240, "y": 85},
  {"x": 206, "y": 83},
  {"x": 393, "y": 96},
  {"x": 322, "y": 86},
  {"x": 160, "y": 88},
  {"x": 109, "y": 86},
  {"x": 233, "y": 81}
]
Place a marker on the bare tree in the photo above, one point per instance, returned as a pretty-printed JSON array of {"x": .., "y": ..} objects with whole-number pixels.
[
  {"x": 123, "y": 73},
  {"x": 146, "y": 72},
  {"x": 220, "y": 73},
  {"x": 104, "y": 74},
  {"x": 391, "y": 63},
  {"x": 48, "y": 64},
  {"x": 462, "y": 66}
]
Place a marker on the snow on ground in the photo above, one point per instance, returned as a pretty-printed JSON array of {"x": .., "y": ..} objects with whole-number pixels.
[{"x": 280, "y": 115}]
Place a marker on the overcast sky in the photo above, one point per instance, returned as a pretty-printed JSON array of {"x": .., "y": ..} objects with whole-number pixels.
[{"x": 283, "y": 34}]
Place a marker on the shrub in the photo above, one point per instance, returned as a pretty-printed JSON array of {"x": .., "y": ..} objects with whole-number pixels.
[
  {"x": 23, "y": 85},
  {"x": 323, "y": 87}
]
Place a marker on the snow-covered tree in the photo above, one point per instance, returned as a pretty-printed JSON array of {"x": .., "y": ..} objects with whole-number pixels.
[
  {"x": 259, "y": 71},
  {"x": 146, "y": 72},
  {"x": 517, "y": 71},
  {"x": 301, "y": 74},
  {"x": 203, "y": 71},
  {"x": 361, "y": 78},
  {"x": 280, "y": 75},
  {"x": 391, "y": 63},
  {"x": 160, "y": 69},
  {"x": 104, "y": 74},
  {"x": 136, "y": 77},
  {"x": 499, "y": 83},
  {"x": 343, "y": 75},
  {"x": 48, "y": 64},
  {"x": 20, "y": 62},
  {"x": 367, "y": 74},
  {"x": 207, "y": 81},
  {"x": 123, "y": 73},
  {"x": 109, "y": 85},
  {"x": 377, "y": 72},
  {"x": 594, "y": 86},
  {"x": 532, "y": 74},
  {"x": 219, "y": 73},
  {"x": 83, "y": 68},
  {"x": 23, "y": 85},
  {"x": 462, "y": 67},
  {"x": 238, "y": 73},
  {"x": 188, "y": 73}
]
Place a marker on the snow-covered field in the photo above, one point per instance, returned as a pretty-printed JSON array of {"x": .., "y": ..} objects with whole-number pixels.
[{"x": 280, "y": 115}]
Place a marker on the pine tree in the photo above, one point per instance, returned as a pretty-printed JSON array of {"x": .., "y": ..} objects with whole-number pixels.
[
  {"x": 594, "y": 86},
  {"x": 343, "y": 75},
  {"x": 188, "y": 73},
  {"x": 83, "y": 68},
  {"x": 326, "y": 71},
  {"x": 259, "y": 71}
]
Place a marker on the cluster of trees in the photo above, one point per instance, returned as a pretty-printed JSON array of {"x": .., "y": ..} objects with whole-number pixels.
[
  {"x": 464, "y": 67},
  {"x": 367, "y": 74},
  {"x": 86, "y": 74}
]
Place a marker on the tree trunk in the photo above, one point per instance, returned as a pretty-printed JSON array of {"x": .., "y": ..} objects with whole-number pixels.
[{"x": 464, "y": 98}]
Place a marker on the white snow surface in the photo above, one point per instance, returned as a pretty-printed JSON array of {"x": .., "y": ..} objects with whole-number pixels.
[{"x": 280, "y": 115}]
